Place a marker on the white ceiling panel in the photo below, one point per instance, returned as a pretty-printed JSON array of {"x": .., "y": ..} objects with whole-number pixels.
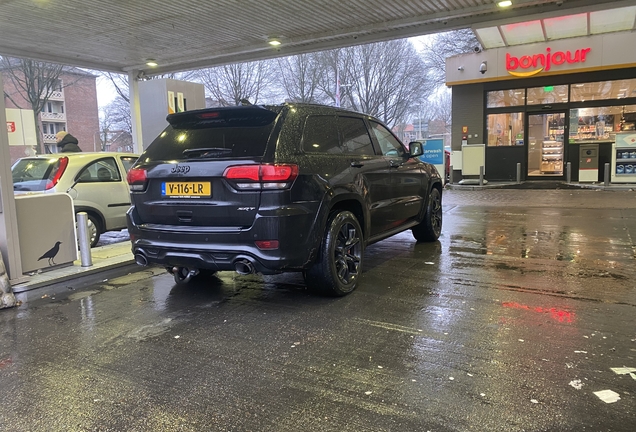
[
  {"x": 612, "y": 20},
  {"x": 490, "y": 37},
  {"x": 566, "y": 26},
  {"x": 523, "y": 32}
]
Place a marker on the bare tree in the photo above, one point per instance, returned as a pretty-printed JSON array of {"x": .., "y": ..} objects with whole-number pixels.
[
  {"x": 299, "y": 76},
  {"x": 34, "y": 82},
  {"x": 114, "y": 119},
  {"x": 441, "y": 108},
  {"x": 120, "y": 83},
  {"x": 443, "y": 45},
  {"x": 383, "y": 79},
  {"x": 440, "y": 114},
  {"x": 230, "y": 84},
  {"x": 119, "y": 110}
]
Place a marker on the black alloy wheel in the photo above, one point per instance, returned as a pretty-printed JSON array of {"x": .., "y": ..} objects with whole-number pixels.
[
  {"x": 431, "y": 227},
  {"x": 339, "y": 265}
]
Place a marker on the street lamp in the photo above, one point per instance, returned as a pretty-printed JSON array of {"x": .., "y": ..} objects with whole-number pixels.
[{"x": 338, "y": 87}]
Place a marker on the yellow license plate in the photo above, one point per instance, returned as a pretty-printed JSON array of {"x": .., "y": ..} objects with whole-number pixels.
[{"x": 186, "y": 189}]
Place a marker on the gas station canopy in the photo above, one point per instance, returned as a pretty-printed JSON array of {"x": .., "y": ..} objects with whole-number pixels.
[{"x": 121, "y": 36}]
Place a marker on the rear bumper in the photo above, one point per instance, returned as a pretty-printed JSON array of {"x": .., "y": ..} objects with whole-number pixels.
[{"x": 221, "y": 249}]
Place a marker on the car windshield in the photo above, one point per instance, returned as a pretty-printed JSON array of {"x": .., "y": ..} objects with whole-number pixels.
[
  {"x": 214, "y": 134},
  {"x": 33, "y": 174}
]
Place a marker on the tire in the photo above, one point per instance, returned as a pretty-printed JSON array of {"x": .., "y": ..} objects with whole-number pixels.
[
  {"x": 430, "y": 228},
  {"x": 339, "y": 265},
  {"x": 94, "y": 229}
]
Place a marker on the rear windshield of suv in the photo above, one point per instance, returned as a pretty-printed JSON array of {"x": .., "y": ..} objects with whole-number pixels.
[{"x": 211, "y": 134}]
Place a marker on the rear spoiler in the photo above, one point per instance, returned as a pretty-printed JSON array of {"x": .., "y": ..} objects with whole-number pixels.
[{"x": 224, "y": 115}]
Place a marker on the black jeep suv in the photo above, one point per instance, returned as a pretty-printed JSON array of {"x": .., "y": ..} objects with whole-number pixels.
[{"x": 270, "y": 189}]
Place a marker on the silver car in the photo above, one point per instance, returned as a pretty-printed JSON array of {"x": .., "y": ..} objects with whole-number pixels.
[{"x": 95, "y": 181}]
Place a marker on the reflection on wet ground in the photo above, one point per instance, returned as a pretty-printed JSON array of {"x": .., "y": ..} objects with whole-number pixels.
[{"x": 510, "y": 322}]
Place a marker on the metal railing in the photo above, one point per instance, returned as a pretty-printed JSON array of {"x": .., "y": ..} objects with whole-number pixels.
[
  {"x": 56, "y": 95},
  {"x": 49, "y": 138},
  {"x": 53, "y": 116}
]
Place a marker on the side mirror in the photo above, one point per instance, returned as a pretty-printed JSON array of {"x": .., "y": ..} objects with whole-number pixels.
[{"x": 415, "y": 149}]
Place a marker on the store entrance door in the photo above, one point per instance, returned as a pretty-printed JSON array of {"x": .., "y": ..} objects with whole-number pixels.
[{"x": 546, "y": 150}]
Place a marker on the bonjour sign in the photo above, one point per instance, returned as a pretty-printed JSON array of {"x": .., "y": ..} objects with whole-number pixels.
[{"x": 517, "y": 66}]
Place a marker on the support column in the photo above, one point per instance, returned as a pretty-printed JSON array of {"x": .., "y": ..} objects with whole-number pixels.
[
  {"x": 135, "y": 111},
  {"x": 9, "y": 243}
]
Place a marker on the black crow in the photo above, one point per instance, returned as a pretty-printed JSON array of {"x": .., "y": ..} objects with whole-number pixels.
[{"x": 50, "y": 254}]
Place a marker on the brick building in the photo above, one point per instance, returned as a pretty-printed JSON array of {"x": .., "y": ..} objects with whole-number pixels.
[{"x": 72, "y": 107}]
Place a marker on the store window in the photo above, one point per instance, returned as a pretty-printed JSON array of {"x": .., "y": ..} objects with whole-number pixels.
[
  {"x": 603, "y": 90},
  {"x": 505, "y": 129},
  {"x": 547, "y": 95},
  {"x": 506, "y": 98},
  {"x": 602, "y": 123}
]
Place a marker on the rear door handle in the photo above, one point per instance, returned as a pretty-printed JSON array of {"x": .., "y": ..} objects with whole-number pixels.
[{"x": 357, "y": 164}]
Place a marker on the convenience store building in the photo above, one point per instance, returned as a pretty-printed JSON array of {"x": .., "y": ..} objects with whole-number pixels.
[{"x": 555, "y": 100}]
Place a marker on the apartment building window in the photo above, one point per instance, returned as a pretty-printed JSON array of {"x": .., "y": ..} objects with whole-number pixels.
[{"x": 49, "y": 107}]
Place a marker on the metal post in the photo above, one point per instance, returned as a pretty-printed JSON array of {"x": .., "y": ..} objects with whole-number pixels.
[
  {"x": 518, "y": 172},
  {"x": 607, "y": 173},
  {"x": 481, "y": 175},
  {"x": 7, "y": 298},
  {"x": 450, "y": 174},
  {"x": 84, "y": 240},
  {"x": 568, "y": 171}
]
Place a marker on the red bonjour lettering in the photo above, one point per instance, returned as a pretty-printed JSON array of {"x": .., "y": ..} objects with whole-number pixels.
[
  {"x": 525, "y": 62},
  {"x": 584, "y": 52},
  {"x": 536, "y": 58},
  {"x": 576, "y": 59},
  {"x": 512, "y": 62},
  {"x": 545, "y": 61},
  {"x": 558, "y": 58}
]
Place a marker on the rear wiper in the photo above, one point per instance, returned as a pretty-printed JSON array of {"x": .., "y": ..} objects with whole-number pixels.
[{"x": 208, "y": 152}]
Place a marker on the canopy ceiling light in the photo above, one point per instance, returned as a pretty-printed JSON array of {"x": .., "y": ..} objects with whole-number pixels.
[
  {"x": 151, "y": 63},
  {"x": 504, "y": 3},
  {"x": 274, "y": 41}
]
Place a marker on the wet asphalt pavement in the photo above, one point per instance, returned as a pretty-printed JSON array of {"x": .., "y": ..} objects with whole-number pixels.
[{"x": 510, "y": 322}]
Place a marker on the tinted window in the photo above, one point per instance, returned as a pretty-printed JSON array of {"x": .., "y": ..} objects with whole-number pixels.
[
  {"x": 226, "y": 133},
  {"x": 389, "y": 145},
  {"x": 321, "y": 135},
  {"x": 355, "y": 137}
]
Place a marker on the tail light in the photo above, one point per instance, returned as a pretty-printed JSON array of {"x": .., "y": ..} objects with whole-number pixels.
[
  {"x": 266, "y": 244},
  {"x": 257, "y": 177},
  {"x": 137, "y": 179},
  {"x": 57, "y": 173}
]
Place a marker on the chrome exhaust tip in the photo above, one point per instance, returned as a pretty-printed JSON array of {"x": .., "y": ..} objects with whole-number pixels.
[
  {"x": 244, "y": 267},
  {"x": 141, "y": 259}
]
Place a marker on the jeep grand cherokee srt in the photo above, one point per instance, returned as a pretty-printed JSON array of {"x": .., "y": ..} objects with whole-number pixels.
[{"x": 271, "y": 189}]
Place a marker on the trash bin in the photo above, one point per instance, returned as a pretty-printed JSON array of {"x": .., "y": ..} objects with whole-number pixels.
[{"x": 588, "y": 163}]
